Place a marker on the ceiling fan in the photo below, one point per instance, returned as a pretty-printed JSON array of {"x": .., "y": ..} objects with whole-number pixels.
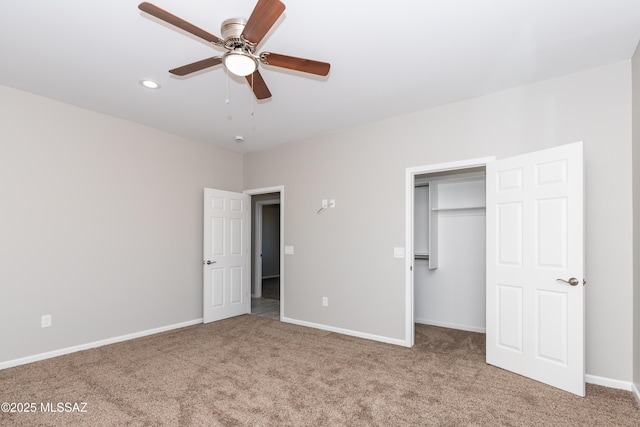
[{"x": 240, "y": 39}]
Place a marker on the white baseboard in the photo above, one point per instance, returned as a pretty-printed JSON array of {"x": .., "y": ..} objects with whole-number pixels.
[
  {"x": 608, "y": 382},
  {"x": 636, "y": 393},
  {"x": 349, "y": 332},
  {"x": 62, "y": 351},
  {"x": 450, "y": 325}
]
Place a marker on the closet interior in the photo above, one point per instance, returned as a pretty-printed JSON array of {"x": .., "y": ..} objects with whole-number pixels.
[{"x": 449, "y": 249}]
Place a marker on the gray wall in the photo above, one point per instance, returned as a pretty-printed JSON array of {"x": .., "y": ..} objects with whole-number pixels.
[
  {"x": 636, "y": 218},
  {"x": 346, "y": 253},
  {"x": 100, "y": 224}
]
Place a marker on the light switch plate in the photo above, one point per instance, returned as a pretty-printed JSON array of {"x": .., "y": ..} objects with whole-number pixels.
[
  {"x": 398, "y": 252},
  {"x": 288, "y": 250}
]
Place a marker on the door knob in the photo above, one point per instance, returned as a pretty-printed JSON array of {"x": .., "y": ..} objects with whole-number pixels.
[
  {"x": 572, "y": 281},
  {"x": 208, "y": 262}
]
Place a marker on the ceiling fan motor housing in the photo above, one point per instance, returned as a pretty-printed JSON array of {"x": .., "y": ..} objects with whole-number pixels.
[{"x": 232, "y": 34}]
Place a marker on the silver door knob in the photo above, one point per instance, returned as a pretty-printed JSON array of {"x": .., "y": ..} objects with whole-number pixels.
[
  {"x": 572, "y": 281},
  {"x": 208, "y": 262}
]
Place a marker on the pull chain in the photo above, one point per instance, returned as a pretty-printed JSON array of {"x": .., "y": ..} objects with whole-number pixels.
[
  {"x": 226, "y": 101},
  {"x": 252, "y": 104}
]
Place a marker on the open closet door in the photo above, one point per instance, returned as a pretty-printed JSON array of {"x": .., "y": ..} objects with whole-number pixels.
[
  {"x": 226, "y": 287},
  {"x": 535, "y": 263}
]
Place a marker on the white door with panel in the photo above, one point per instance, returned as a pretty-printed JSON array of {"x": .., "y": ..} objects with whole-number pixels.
[
  {"x": 535, "y": 266},
  {"x": 226, "y": 274}
]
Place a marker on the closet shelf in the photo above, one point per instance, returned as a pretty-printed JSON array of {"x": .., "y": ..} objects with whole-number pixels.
[{"x": 463, "y": 208}]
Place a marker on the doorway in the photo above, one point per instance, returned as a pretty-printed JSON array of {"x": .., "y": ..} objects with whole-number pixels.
[
  {"x": 535, "y": 258},
  {"x": 413, "y": 176},
  {"x": 268, "y": 242},
  {"x": 449, "y": 249},
  {"x": 267, "y": 263}
]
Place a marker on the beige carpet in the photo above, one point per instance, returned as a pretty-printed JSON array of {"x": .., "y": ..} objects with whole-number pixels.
[{"x": 251, "y": 371}]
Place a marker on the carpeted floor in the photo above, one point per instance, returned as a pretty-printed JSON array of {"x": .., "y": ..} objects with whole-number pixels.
[{"x": 252, "y": 371}]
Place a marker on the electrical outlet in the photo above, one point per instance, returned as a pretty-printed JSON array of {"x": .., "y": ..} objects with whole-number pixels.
[
  {"x": 398, "y": 252},
  {"x": 325, "y": 301},
  {"x": 324, "y": 203},
  {"x": 45, "y": 320}
]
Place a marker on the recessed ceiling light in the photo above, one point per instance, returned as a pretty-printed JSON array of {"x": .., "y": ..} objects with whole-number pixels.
[{"x": 150, "y": 84}]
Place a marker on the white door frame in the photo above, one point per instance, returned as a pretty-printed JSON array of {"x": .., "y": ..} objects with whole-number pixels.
[
  {"x": 409, "y": 254},
  {"x": 275, "y": 189},
  {"x": 257, "y": 250}
]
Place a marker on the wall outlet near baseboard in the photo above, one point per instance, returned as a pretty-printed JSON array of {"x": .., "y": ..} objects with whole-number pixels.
[{"x": 45, "y": 321}]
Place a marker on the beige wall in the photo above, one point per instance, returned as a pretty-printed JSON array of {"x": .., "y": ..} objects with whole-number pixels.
[
  {"x": 346, "y": 253},
  {"x": 100, "y": 224}
]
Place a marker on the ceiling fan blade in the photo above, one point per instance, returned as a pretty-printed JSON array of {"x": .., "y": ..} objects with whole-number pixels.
[
  {"x": 293, "y": 63},
  {"x": 196, "y": 66},
  {"x": 258, "y": 85},
  {"x": 178, "y": 22},
  {"x": 264, "y": 15}
]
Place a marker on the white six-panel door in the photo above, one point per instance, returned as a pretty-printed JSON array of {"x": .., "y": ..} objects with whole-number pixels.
[
  {"x": 226, "y": 271},
  {"x": 535, "y": 322}
]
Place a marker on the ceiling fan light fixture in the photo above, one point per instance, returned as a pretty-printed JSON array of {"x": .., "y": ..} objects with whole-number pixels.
[{"x": 239, "y": 62}]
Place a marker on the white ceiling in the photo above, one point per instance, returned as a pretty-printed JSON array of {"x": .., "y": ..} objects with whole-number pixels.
[{"x": 387, "y": 58}]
